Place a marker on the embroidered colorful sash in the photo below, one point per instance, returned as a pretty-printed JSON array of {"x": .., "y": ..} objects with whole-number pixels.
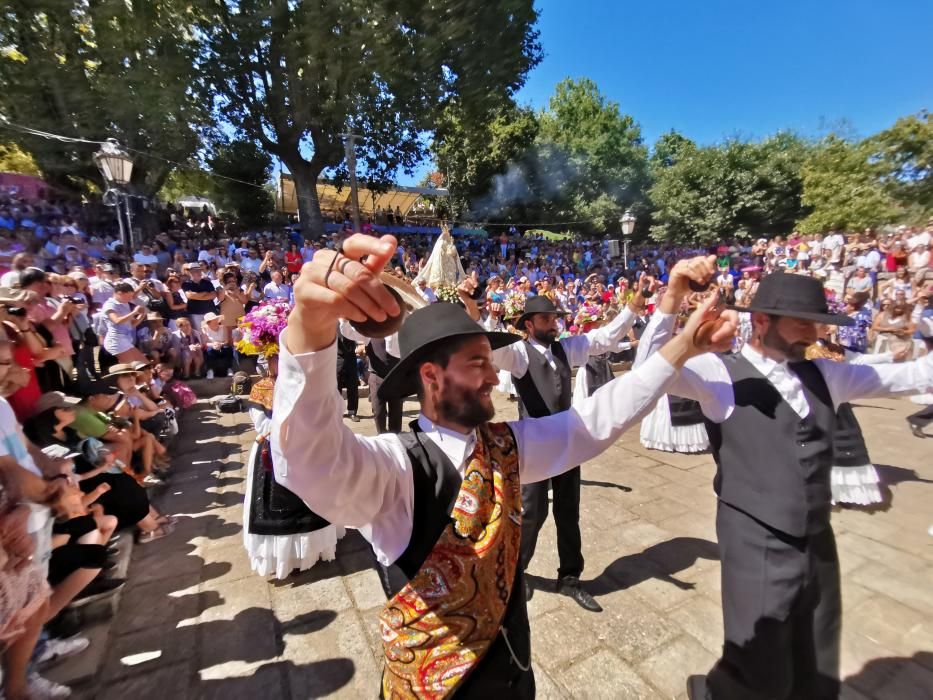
[{"x": 439, "y": 626}]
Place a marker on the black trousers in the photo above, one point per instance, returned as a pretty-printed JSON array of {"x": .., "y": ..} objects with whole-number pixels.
[
  {"x": 388, "y": 415},
  {"x": 921, "y": 418},
  {"x": 782, "y": 613},
  {"x": 566, "y": 488},
  {"x": 348, "y": 378}
]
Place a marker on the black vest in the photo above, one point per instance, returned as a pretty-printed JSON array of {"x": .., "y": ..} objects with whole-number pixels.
[
  {"x": 437, "y": 483},
  {"x": 598, "y": 372},
  {"x": 771, "y": 464},
  {"x": 380, "y": 361},
  {"x": 684, "y": 411},
  {"x": 543, "y": 391}
]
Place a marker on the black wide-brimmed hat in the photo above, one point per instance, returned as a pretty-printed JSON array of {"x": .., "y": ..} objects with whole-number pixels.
[
  {"x": 786, "y": 294},
  {"x": 420, "y": 332},
  {"x": 538, "y": 305}
]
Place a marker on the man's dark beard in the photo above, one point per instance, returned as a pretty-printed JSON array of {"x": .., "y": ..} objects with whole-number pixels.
[
  {"x": 462, "y": 407},
  {"x": 544, "y": 337},
  {"x": 794, "y": 352}
]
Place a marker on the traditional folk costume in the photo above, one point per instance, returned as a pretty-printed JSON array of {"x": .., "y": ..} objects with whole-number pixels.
[
  {"x": 771, "y": 429},
  {"x": 854, "y": 479},
  {"x": 281, "y": 533},
  {"x": 443, "y": 506},
  {"x": 542, "y": 376},
  {"x": 675, "y": 425}
]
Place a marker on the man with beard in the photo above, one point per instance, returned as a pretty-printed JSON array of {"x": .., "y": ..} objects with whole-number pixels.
[
  {"x": 541, "y": 367},
  {"x": 443, "y": 501},
  {"x": 770, "y": 415}
]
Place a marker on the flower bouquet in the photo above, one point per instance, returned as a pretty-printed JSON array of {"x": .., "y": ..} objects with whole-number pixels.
[
  {"x": 259, "y": 329},
  {"x": 448, "y": 293},
  {"x": 514, "y": 304},
  {"x": 588, "y": 316}
]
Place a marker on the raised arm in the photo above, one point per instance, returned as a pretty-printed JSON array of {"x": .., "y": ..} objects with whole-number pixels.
[
  {"x": 512, "y": 358},
  {"x": 553, "y": 444},
  {"x": 347, "y": 479},
  {"x": 847, "y": 381},
  {"x": 703, "y": 378}
]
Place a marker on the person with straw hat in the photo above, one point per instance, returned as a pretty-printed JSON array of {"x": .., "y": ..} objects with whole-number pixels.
[
  {"x": 441, "y": 502},
  {"x": 771, "y": 415}
]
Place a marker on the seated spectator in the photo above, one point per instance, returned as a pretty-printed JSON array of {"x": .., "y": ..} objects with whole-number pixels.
[
  {"x": 218, "y": 349},
  {"x": 94, "y": 465},
  {"x": 140, "y": 409},
  {"x": 158, "y": 345},
  {"x": 189, "y": 349}
]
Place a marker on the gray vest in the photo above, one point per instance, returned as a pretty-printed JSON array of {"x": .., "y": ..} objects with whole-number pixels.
[
  {"x": 542, "y": 391},
  {"x": 771, "y": 464}
]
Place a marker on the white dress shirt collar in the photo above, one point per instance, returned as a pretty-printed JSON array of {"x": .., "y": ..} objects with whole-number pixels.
[
  {"x": 786, "y": 382},
  {"x": 456, "y": 446}
]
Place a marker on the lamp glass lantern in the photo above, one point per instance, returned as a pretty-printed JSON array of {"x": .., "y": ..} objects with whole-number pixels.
[
  {"x": 628, "y": 222},
  {"x": 115, "y": 163}
]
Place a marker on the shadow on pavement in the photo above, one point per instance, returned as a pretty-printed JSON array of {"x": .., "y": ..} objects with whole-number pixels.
[
  {"x": 660, "y": 561},
  {"x": 896, "y": 677}
]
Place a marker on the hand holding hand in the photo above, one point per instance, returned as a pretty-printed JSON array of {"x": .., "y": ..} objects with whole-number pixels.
[
  {"x": 699, "y": 270},
  {"x": 711, "y": 328}
]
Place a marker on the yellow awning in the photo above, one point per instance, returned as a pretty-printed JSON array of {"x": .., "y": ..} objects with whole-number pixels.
[{"x": 336, "y": 200}]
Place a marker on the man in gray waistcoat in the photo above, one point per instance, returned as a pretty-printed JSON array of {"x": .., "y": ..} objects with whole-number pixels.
[{"x": 770, "y": 415}]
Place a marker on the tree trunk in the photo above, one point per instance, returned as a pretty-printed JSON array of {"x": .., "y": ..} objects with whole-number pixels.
[{"x": 309, "y": 208}]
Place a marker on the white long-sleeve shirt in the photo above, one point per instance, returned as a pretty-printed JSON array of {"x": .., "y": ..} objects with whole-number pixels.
[
  {"x": 514, "y": 358},
  {"x": 705, "y": 379},
  {"x": 366, "y": 482}
]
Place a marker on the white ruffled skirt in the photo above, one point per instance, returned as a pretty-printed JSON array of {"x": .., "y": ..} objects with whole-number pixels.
[
  {"x": 279, "y": 555},
  {"x": 855, "y": 485},
  {"x": 657, "y": 433},
  {"x": 505, "y": 384}
]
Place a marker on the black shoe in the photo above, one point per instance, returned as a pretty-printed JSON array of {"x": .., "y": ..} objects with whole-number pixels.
[
  {"x": 570, "y": 586},
  {"x": 529, "y": 591},
  {"x": 355, "y": 418},
  {"x": 99, "y": 588},
  {"x": 696, "y": 688},
  {"x": 917, "y": 430}
]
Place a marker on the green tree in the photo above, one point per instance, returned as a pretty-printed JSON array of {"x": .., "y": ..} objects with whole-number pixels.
[
  {"x": 244, "y": 169},
  {"x": 843, "y": 185},
  {"x": 737, "y": 188},
  {"x": 294, "y": 75},
  {"x": 904, "y": 154},
  {"x": 110, "y": 68},
  {"x": 593, "y": 159},
  {"x": 470, "y": 153},
  {"x": 670, "y": 148},
  {"x": 14, "y": 159}
]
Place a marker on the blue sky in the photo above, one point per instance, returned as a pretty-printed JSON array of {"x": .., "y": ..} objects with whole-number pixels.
[{"x": 718, "y": 68}]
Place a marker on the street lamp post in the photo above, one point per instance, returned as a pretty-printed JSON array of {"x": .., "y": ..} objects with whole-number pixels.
[
  {"x": 116, "y": 166},
  {"x": 628, "y": 226}
]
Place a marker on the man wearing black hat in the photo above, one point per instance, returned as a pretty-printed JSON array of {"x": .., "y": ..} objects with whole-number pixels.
[
  {"x": 541, "y": 367},
  {"x": 442, "y": 502},
  {"x": 770, "y": 415}
]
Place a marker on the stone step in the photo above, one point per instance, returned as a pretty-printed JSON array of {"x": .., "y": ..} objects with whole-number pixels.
[{"x": 92, "y": 620}]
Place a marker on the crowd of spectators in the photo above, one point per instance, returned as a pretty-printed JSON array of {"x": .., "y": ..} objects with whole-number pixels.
[{"x": 97, "y": 343}]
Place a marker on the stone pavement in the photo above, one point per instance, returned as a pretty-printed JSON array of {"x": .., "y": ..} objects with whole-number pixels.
[{"x": 194, "y": 621}]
